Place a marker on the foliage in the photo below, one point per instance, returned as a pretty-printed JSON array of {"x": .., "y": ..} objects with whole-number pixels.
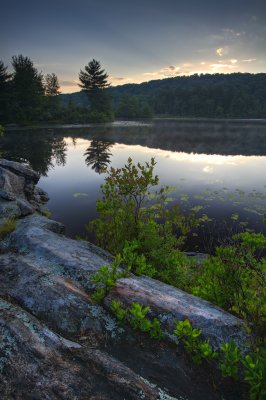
[
  {"x": 255, "y": 374},
  {"x": 230, "y": 359},
  {"x": 106, "y": 278},
  {"x": 190, "y": 337},
  {"x": 133, "y": 107},
  {"x": 229, "y": 356},
  {"x": 51, "y": 85},
  {"x": 93, "y": 82},
  {"x": 234, "y": 279},
  {"x": 46, "y": 212},
  {"x": 136, "y": 316},
  {"x": 134, "y": 216},
  {"x": 100, "y": 116},
  {"x": 237, "y": 95},
  {"x": 93, "y": 78},
  {"x": 8, "y": 226},
  {"x": 28, "y": 89},
  {"x": 5, "y": 79}
]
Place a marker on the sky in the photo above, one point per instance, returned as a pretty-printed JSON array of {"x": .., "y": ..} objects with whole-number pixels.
[{"x": 135, "y": 41}]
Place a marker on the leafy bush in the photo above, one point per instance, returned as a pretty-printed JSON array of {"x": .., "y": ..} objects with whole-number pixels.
[
  {"x": 229, "y": 357},
  {"x": 230, "y": 360},
  {"x": 135, "y": 218},
  {"x": 106, "y": 278},
  {"x": 136, "y": 316},
  {"x": 190, "y": 337},
  {"x": 255, "y": 374},
  {"x": 234, "y": 279}
]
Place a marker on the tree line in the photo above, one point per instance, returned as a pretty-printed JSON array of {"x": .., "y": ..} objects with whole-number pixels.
[
  {"x": 237, "y": 95},
  {"x": 27, "y": 96}
]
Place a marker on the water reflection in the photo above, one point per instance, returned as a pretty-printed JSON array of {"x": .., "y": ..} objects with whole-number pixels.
[
  {"x": 42, "y": 151},
  {"x": 217, "y": 166},
  {"x": 98, "y": 155}
]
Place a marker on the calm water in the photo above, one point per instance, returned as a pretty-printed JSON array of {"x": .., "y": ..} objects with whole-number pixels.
[{"x": 219, "y": 167}]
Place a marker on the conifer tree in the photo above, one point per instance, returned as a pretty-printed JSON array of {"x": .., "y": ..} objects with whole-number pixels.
[
  {"x": 93, "y": 83},
  {"x": 5, "y": 82},
  {"x": 28, "y": 89}
]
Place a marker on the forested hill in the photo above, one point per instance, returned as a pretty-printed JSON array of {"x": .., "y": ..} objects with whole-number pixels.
[{"x": 238, "y": 95}]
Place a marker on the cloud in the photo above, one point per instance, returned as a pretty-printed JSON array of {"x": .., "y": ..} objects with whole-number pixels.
[
  {"x": 249, "y": 60},
  {"x": 151, "y": 73},
  {"x": 220, "y": 51},
  {"x": 169, "y": 71},
  {"x": 233, "y": 61},
  {"x": 232, "y": 32},
  {"x": 220, "y": 65},
  {"x": 119, "y": 78},
  {"x": 68, "y": 83}
]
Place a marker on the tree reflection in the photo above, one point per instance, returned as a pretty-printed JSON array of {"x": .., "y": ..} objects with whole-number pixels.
[
  {"x": 98, "y": 155},
  {"x": 41, "y": 151}
]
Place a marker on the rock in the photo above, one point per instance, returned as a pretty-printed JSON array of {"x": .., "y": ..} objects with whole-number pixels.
[
  {"x": 45, "y": 292},
  {"x": 40, "y": 196},
  {"x": 35, "y": 363},
  {"x": 61, "y": 303},
  {"x": 9, "y": 209},
  {"x": 79, "y": 262},
  {"x": 20, "y": 169},
  {"x": 170, "y": 304},
  {"x": 11, "y": 185},
  {"x": 17, "y": 184}
]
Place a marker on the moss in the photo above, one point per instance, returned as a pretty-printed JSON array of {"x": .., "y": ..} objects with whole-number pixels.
[
  {"x": 8, "y": 226},
  {"x": 46, "y": 212}
]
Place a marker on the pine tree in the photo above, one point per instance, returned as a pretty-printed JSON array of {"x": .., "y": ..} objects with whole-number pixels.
[
  {"x": 93, "y": 78},
  {"x": 4, "y": 76},
  {"x": 5, "y": 81},
  {"x": 93, "y": 83}
]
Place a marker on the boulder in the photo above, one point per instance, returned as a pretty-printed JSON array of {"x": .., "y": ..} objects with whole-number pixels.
[
  {"x": 170, "y": 305},
  {"x": 17, "y": 185}
]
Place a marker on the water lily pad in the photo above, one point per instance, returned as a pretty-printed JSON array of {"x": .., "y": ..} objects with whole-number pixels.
[{"x": 80, "y": 194}]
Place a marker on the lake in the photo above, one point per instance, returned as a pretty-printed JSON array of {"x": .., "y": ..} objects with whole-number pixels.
[{"x": 217, "y": 168}]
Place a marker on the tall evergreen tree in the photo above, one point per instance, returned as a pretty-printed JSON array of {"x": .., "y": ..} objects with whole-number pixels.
[
  {"x": 28, "y": 89},
  {"x": 5, "y": 81},
  {"x": 93, "y": 83},
  {"x": 93, "y": 78}
]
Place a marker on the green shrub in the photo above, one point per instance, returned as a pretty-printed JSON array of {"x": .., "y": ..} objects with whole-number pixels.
[
  {"x": 136, "y": 219},
  {"x": 106, "y": 278},
  {"x": 255, "y": 374},
  {"x": 8, "y": 226},
  {"x": 234, "y": 279},
  {"x": 136, "y": 317},
  {"x": 190, "y": 337},
  {"x": 230, "y": 359}
]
